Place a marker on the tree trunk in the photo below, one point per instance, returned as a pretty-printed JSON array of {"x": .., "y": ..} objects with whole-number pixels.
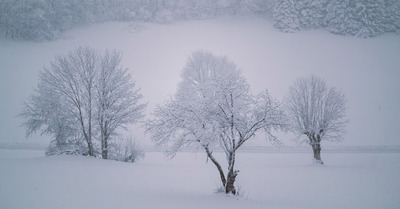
[
  {"x": 230, "y": 188},
  {"x": 315, "y": 142},
  {"x": 90, "y": 148},
  {"x": 317, "y": 152},
  {"x": 88, "y": 139},
  {"x": 88, "y": 136},
  {"x": 104, "y": 152},
  {"x": 221, "y": 172},
  {"x": 104, "y": 148},
  {"x": 231, "y": 178}
]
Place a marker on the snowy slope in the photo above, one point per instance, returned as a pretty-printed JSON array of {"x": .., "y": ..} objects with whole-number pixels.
[
  {"x": 266, "y": 180},
  {"x": 367, "y": 70}
]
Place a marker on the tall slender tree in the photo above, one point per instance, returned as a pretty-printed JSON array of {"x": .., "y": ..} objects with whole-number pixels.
[
  {"x": 73, "y": 76},
  {"x": 117, "y": 98}
]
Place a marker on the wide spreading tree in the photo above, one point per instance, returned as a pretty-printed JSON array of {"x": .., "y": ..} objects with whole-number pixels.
[{"x": 213, "y": 108}]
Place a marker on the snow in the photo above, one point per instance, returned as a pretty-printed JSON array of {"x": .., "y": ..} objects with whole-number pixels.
[
  {"x": 266, "y": 180},
  {"x": 366, "y": 70}
]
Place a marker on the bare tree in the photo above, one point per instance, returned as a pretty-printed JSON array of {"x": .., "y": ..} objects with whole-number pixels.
[
  {"x": 317, "y": 112},
  {"x": 80, "y": 89},
  {"x": 73, "y": 78},
  {"x": 214, "y": 108},
  {"x": 45, "y": 108},
  {"x": 117, "y": 98}
]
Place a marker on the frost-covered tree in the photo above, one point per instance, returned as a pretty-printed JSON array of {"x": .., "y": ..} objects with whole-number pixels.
[
  {"x": 366, "y": 18},
  {"x": 83, "y": 95},
  {"x": 73, "y": 78},
  {"x": 391, "y": 19},
  {"x": 214, "y": 108},
  {"x": 260, "y": 7},
  {"x": 27, "y": 20},
  {"x": 360, "y": 18},
  {"x": 296, "y": 15},
  {"x": 317, "y": 111},
  {"x": 45, "y": 111},
  {"x": 312, "y": 13},
  {"x": 286, "y": 16},
  {"x": 117, "y": 98}
]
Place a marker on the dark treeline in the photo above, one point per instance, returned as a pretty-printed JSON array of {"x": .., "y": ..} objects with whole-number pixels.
[
  {"x": 47, "y": 19},
  {"x": 360, "y": 18}
]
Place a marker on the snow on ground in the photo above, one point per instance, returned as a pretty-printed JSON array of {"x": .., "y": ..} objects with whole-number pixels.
[
  {"x": 367, "y": 70},
  {"x": 266, "y": 180}
]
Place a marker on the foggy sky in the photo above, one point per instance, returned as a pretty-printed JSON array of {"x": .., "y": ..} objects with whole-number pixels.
[{"x": 366, "y": 70}]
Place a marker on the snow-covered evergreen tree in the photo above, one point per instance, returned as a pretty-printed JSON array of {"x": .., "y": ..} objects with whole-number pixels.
[
  {"x": 286, "y": 17},
  {"x": 366, "y": 18},
  {"x": 391, "y": 16},
  {"x": 29, "y": 20},
  {"x": 311, "y": 13},
  {"x": 360, "y": 18}
]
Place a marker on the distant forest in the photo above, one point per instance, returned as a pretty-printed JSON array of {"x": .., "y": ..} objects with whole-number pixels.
[{"x": 40, "y": 20}]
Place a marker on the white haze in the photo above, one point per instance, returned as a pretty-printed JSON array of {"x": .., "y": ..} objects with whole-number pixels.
[{"x": 366, "y": 70}]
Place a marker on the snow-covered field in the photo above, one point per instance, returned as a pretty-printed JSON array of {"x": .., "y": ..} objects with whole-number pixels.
[
  {"x": 366, "y": 70},
  {"x": 266, "y": 180}
]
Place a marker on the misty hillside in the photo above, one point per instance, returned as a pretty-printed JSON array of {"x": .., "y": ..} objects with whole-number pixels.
[{"x": 48, "y": 19}]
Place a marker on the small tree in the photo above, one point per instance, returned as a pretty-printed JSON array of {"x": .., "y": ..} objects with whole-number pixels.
[
  {"x": 213, "y": 108},
  {"x": 117, "y": 98},
  {"x": 126, "y": 150},
  {"x": 72, "y": 79},
  {"x": 45, "y": 109},
  {"x": 316, "y": 111}
]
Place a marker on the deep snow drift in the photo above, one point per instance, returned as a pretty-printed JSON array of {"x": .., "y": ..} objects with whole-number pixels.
[{"x": 266, "y": 180}]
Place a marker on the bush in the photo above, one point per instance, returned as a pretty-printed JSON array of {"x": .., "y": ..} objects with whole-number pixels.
[
  {"x": 125, "y": 150},
  {"x": 68, "y": 148}
]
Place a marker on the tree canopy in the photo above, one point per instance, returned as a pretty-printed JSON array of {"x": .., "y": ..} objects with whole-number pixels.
[{"x": 213, "y": 108}]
